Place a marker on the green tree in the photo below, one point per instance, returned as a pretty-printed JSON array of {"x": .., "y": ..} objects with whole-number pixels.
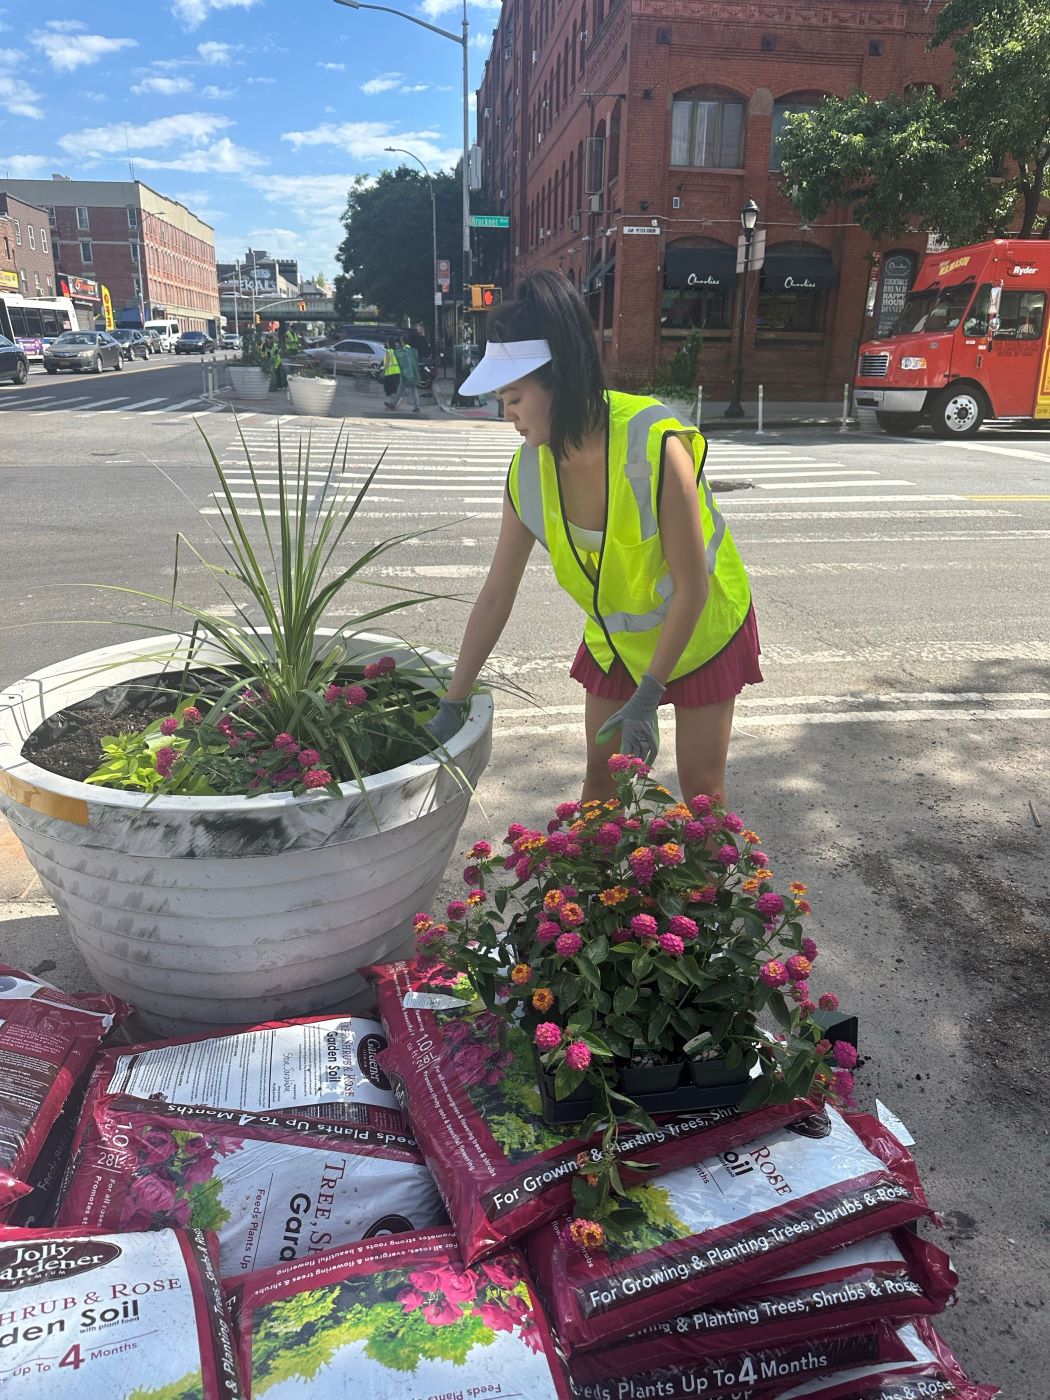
[
  {"x": 960, "y": 167},
  {"x": 344, "y": 297}
]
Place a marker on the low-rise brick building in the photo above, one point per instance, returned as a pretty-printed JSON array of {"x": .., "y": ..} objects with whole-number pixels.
[
  {"x": 26, "y": 254},
  {"x": 689, "y": 99},
  {"x": 155, "y": 256}
]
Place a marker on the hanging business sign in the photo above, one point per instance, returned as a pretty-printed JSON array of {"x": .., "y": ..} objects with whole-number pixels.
[
  {"x": 8, "y": 279},
  {"x": 898, "y": 274},
  {"x": 107, "y": 308},
  {"x": 81, "y": 288}
]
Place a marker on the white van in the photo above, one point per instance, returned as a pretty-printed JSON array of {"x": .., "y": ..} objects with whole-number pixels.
[{"x": 167, "y": 330}]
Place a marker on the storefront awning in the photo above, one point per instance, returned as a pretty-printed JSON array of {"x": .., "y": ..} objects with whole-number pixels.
[
  {"x": 799, "y": 272},
  {"x": 595, "y": 279},
  {"x": 699, "y": 269}
]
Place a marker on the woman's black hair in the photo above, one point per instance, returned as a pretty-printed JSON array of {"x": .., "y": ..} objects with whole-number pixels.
[{"x": 549, "y": 308}]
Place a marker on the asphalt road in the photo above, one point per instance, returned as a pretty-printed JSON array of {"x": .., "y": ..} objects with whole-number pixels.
[{"x": 895, "y": 759}]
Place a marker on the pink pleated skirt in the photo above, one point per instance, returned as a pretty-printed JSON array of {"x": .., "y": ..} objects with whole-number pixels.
[{"x": 721, "y": 678}]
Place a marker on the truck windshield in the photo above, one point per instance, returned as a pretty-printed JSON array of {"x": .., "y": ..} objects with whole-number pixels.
[{"x": 934, "y": 309}]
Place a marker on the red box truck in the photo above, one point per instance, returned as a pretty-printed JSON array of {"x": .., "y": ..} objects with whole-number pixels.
[{"x": 972, "y": 343}]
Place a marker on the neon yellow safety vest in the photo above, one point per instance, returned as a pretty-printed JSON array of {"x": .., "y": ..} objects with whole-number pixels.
[
  {"x": 390, "y": 364},
  {"x": 626, "y": 588}
]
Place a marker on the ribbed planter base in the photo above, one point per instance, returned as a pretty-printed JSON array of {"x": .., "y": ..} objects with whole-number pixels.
[
  {"x": 217, "y": 911},
  {"x": 312, "y": 396},
  {"x": 249, "y": 382}
]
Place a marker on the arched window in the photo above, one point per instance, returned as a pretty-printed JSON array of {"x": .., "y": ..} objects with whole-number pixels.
[
  {"x": 612, "y": 156},
  {"x": 557, "y": 84},
  {"x": 579, "y": 175},
  {"x": 574, "y": 203},
  {"x": 793, "y": 288},
  {"x": 699, "y": 277},
  {"x": 575, "y": 47},
  {"x": 707, "y": 129},
  {"x": 599, "y": 14},
  {"x": 565, "y": 72},
  {"x": 788, "y": 107},
  {"x": 561, "y": 197}
]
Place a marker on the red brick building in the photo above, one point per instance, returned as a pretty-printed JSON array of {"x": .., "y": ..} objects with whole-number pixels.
[
  {"x": 689, "y": 98},
  {"x": 155, "y": 256},
  {"x": 26, "y": 254}
]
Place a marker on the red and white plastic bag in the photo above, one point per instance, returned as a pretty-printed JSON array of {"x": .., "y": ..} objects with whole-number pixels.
[
  {"x": 876, "y": 1280},
  {"x": 396, "y": 1318},
  {"x": 468, "y": 1088},
  {"x": 48, "y": 1040},
  {"x": 271, "y": 1190},
  {"x": 323, "y": 1068},
  {"x": 126, "y": 1317},
  {"x": 726, "y": 1223}
]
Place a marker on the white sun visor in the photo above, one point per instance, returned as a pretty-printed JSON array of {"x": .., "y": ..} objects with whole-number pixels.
[{"x": 505, "y": 361}]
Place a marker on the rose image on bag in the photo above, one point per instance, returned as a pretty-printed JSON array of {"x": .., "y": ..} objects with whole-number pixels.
[{"x": 364, "y": 1318}]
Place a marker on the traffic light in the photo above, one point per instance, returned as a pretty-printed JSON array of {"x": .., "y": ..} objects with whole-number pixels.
[
  {"x": 301, "y": 305},
  {"x": 482, "y": 296}
]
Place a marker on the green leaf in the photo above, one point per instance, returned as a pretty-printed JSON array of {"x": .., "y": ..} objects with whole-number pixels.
[
  {"x": 566, "y": 1080},
  {"x": 587, "y": 970},
  {"x": 500, "y": 898},
  {"x": 780, "y": 1010},
  {"x": 624, "y": 998}
]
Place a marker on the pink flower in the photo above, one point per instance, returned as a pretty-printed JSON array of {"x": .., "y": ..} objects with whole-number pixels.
[
  {"x": 471, "y": 874},
  {"x": 570, "y": 914},
  {"x": 514, "y": 831},
  {"x": 317, "y": 778},
  {"x": 694, "y": 831},
  {"x": 671, "y": 943},
  {"x": 481, "y": 850},
  {"x": 685, "y": 928},
  {"x": 169, "y": 725},
  {"x": 670, "y": 853},
  {"x": 459, "y": 1288},
  {"x": 620, "y": 763},
  {"x": 700, "y": 805},
  {"x": 823, "y": 1047},
  {"x": 441, "y": 1313},
  {"x": 371, "y": 670},
  {"x": 773, "y": 973},
  {"x": 622, "y": 935},
  {"x": 727, "y": 855},
  {"x": 731, "y": 822},
  {"x": 631, "y": 824},
  {"x": 607, "y": 834},
  {"x": 426, "y": 1280},
  {"x": 495, "y": 1318},
  {"x": 845, "y": 1054},
  {"x": 156, "y": 1145},
  {"x": 192, "y": 716},
  {"x": 547, "y": 1035},
  {"x": 799, "y": 991},
  {"x": 657, "y": 828},
  {"x": 643, "y": 864},
  {"x": 180, "y": 1213},
  {"x": 799, "y": 967},
  {"x": 308, "y": 757},
  {"x": 558, "y": 843},
  {"x": 644, "y": 925},
  {"x": 843, "y": 1086},
  {"x": 531, "y": 1335},
  {"x": 707, "y": 894},
  {"x": 569, "y": 891},
  {"x": 475, "y": 897},
  {"x": 759, "y": 859},
  {"x": 547, "y": 931},
  {"x": 769, "y": 905},
  {"x": 553, "y": 825},
  {"x": 456, "y": 910},
  {"x": 568, "y": 943},
  {"x": 150, "y": 1193},
  {"x": 828, "y": 1001},
  {"x": 578, "y": 1055},
  {"x": 565, "y": 811},
  {"x": 504, "y": 1273},
  {"x": 285, "y": 741},
  {"x": 332, "y": 694},
  {"x": 166, "y": 760},
  {"x": 354, "y": 695},
  {"x": 807, "y": 1007},
  {"x": 411, "y": 1299},
  {"x": 386, "y": 665},
  {"x": 200, "y": 1170},
  {"x": 809, "y": 948}
]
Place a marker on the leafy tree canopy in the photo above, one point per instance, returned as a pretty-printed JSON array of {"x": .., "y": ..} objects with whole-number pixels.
[{"x": 960, "y": 167}]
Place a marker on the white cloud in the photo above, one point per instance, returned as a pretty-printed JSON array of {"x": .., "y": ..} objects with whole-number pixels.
[
  {"x": 214, "y": 53},
  {"x": 11, "y": 56},
  {"x": 18, "y": 98},
  {"x": 222, "y": 157},
  {"x": 25, "y": 167},
  {"x": 216, "y": 93},
  {"x": 164, "y": 87},
  {"x": 382, "y": 82},
  {"x": 434, "y": 9},
  {"x": 333, "y": 67},
  {"x": 186, "y": 128},
  {"x": 318, "y": 202},
  {"x": 365, "y": 141},
  {"x": 256, "y": 79},
  {"x": 193, "y": 13},
  {"x": 66, "y": 47}
]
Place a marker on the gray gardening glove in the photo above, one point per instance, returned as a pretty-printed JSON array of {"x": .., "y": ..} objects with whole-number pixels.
[
  {"x": 447, "y": 721},
  {"x": 636, "y": 721}
]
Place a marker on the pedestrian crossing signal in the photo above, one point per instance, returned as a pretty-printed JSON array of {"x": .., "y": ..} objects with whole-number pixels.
[
  {"x": 483, "y": 296},
  {"x": 301, "y": 305}
]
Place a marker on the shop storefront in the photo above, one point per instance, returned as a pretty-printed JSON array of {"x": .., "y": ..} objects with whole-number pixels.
[
  {"x": 86, "y": 296},
  {"x": 698, "y": 286},
  {"x": 794, "y": 287}
]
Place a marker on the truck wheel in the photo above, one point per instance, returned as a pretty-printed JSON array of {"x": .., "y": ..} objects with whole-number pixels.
[
  {"x": 958, "y": 412},
  {"x": 898, "y": 423}
]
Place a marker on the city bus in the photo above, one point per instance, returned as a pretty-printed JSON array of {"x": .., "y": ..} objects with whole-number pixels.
[
  {"x": 972, "y": 343},
  {"x": 31, "y": 322}
]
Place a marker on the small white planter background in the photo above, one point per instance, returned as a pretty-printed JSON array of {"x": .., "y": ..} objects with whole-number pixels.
[
  {"x": 313, "y": 396},
  {"x": 249, "y": 381},
  {"x": 218, "y": 911}
]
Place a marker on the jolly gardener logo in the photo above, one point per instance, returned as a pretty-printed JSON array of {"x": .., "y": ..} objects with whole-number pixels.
[{"x": 22, "y": 1264}]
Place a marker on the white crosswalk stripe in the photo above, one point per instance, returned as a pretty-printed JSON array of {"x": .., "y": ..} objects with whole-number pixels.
[{"x": 122, "y": 404}]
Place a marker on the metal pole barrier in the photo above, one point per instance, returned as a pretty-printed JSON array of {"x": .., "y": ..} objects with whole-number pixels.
[
  {"x": 761, "y": 408},
  {"x": 845, "y": 408},
  {"x": 699, "y": 409}
]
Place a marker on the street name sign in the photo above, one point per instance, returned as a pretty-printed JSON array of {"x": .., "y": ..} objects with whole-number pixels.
[
  {"x": 490, "y": 221},
  {"x": 641, "y": 228}
]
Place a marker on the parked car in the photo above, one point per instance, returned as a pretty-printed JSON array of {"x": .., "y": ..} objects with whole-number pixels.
[
  {"x": 194, "y": 343},
  {"x": 347, "y": 356},
  {"x": 230, "y": 341},
  {"x": 167, "y": 331},
  {"x": 133, "y": 343},
  {"x": 13, "y": 362},
  {"x": 79, "y": 350},
  {"x": 154, "y": 340}
]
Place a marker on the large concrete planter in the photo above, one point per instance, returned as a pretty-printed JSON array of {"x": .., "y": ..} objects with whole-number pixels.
[
  {"x": 313, "y": 396},
  {"x": 249, "y": 381},
  {"x": 215, "y": 911}
]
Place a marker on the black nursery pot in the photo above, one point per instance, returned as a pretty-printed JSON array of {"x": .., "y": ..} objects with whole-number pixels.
[
  {"x": 713, "y": 1074},
  {"x": 651, "y": 1079}
]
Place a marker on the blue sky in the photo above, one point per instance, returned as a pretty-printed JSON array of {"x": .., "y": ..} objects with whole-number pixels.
[{"x": 256, "y": 114}]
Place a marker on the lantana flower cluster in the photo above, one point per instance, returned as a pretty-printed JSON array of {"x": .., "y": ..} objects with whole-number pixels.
[{"x": 642, "y": 930}]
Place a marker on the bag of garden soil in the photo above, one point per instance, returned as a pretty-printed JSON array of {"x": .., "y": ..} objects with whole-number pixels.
[
  {"x": 396, "y": 1319},
  {"x": 879, "y": 1279},
  {"x": 931, "y": 1373},
  {"x": 728, "y": 1222},
  {"x": 272, "y": 1190},
  {"x": 48, "y": 1040},
  {"x": 324, "y": 1068},
  {"x": 128, "y": 1317},
  {"x": 474, "y": 1107},
  {"x": 752, "y": 1370}
]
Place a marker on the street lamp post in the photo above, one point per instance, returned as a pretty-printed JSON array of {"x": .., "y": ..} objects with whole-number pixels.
[
  {"x": 463, "y": 41},
  {"x": 255, "y": 280},
  {"x": 236, "y": 292},
  {"x": 748, "y": 220},
  {"x": 400, "y": 150}
]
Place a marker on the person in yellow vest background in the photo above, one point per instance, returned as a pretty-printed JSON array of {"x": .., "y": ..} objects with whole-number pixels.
[{"x": 612, "y": 486}]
